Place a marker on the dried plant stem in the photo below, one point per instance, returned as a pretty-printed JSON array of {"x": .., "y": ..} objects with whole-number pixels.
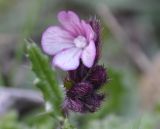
[{"x": 133, "y": 50}]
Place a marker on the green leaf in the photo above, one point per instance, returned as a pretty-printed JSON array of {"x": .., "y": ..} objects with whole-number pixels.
[{"x": 46, "y": 79}]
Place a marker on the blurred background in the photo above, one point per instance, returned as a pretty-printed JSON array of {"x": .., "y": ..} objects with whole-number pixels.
[{"x": 130, "y": 51}]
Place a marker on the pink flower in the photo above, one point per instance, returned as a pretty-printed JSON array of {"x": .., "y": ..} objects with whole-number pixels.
[{"x": 70, "y": 43}]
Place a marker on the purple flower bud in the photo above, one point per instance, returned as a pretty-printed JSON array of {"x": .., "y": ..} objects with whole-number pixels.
[
  {"x": 74, "y": 105},
  {"x": 78, "y": 74},
  {"x": 84, "y": 104},
  {"x": 93, "y": 102},
  {"x": 82, "y": 96},
  {"x": 98, "y": 76},
  {"x": 80, "y": 89}
]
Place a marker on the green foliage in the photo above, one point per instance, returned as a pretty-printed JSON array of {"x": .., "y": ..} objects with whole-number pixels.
[
  {"x": 46, "y": 79},
  {"x": 41, "y": 121},
  {"x": 148, "y": 121},
  {"x": 5, "y": 4},
  {"x": 9, "y": 121}
]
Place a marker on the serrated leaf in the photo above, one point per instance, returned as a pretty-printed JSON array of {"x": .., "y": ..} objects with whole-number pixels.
[{"x": 47, "y": 81}]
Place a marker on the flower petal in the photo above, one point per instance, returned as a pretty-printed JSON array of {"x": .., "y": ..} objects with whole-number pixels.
[
  {"x": 55, "y": 39},
  {"x": 88, "y": 55},
  {"x": 89, "y": 33},
  {"x": 70, "y": 21},
  {"x": 68, "y": 59}
]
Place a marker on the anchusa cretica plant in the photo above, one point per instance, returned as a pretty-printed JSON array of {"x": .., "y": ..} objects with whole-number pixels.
[{"x": 76, "y": 47}]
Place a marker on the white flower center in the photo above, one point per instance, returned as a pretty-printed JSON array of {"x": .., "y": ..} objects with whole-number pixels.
[{"x": 80, "y": 41}]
